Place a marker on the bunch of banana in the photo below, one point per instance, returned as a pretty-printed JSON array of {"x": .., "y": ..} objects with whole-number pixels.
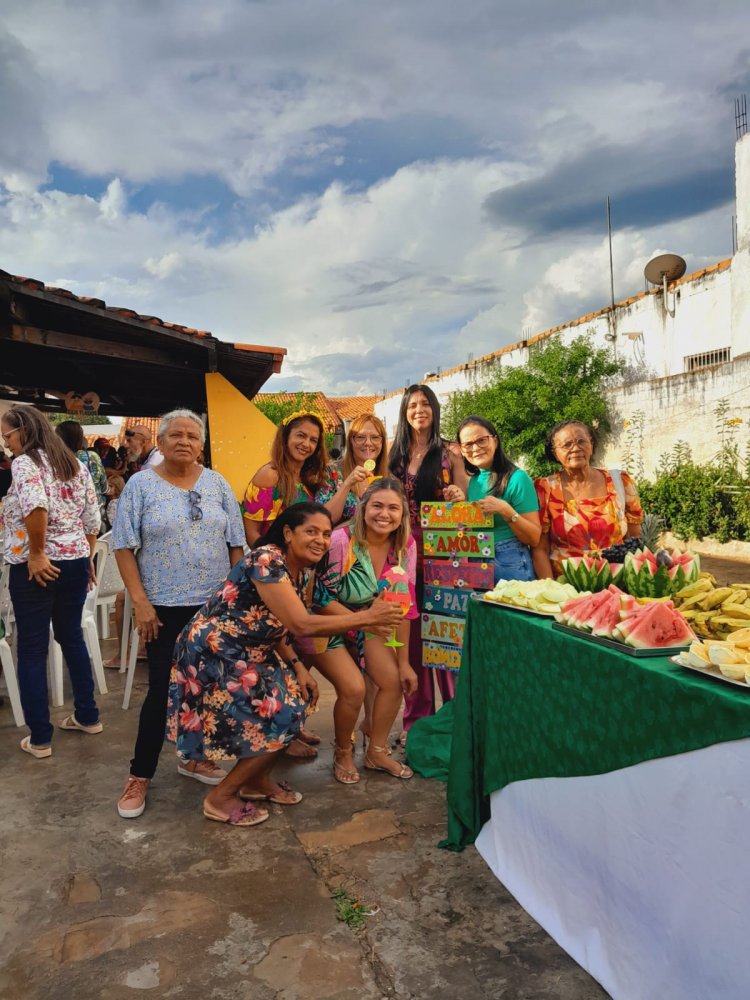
[{"x": 714, "y": 612}]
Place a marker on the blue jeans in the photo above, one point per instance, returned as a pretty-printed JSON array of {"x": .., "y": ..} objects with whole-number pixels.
[
  {"x": 513, "y": 561},
  {"x": 61, "y": 603}
]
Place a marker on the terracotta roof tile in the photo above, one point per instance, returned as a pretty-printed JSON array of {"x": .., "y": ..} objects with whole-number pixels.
[{"x": 349, "y": 407}]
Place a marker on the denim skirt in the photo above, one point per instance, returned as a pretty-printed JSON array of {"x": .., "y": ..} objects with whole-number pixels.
[{"x": 513, "y": 561}]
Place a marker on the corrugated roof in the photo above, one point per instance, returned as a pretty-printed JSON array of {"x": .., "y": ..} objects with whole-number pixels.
[{"x": 35, "y": 285}]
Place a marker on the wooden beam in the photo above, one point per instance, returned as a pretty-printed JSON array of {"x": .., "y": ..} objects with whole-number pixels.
[{"x": 95, "y": 349}]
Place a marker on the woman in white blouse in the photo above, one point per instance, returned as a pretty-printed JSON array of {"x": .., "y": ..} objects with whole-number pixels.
[
  {"x": 177, "y": 533},
  {"x": 51, "y": 517}
]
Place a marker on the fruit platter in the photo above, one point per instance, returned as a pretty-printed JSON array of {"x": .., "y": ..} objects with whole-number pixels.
[
  {"x": 638, "y": 627},
  {"x": 536, "y": 597},
  {"x": 713, "y": 612},
  {"x": 725, "y": 660}
]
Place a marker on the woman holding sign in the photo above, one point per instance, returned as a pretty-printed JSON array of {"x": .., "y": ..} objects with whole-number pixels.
[
  {"x": 503, "y": 490},
  {"x": 374, "y": 554},
  {"x": 424, "y": 464}
]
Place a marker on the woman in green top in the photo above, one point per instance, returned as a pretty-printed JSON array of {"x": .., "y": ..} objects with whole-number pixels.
[{"x": 503, "y": 490}]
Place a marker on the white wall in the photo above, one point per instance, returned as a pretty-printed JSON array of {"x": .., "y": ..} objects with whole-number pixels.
[{"x": 706, "y": 312}]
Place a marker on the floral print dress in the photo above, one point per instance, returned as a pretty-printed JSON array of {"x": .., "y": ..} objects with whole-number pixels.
[
  {"x": 265, "y": 503},
  {"x": 230, "y": 696}
]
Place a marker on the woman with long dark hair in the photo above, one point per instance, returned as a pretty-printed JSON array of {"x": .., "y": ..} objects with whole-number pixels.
[
  {"x": 51, "y": 517},
  {"x": 295, "y": 473},
  {"x": 239, "y": 691},
  {"x": 71, "y": 433},
  {"x": 503, "y": 490},
  {"x": 425, "y": 465}
]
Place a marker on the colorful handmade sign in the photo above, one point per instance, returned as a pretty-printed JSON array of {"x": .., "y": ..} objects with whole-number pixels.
[
  {"x": 459, "y": 573},
  {"x": 440, "y": 628},
  {"x": 459, "y": 546},
  {"x": 446, "y": 601},
  {"x": 472, "y": 544},
  {"x": 434, "y": 654},
  {"x": 454, "y": 515}
]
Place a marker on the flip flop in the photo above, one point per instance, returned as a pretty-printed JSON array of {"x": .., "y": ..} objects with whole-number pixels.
[
  {"x": 245, "y": 815},
  {"x": 307, "y": 737},
  {"x": 260, "y": 797},
  {"x": 38, "y": 752},
  {"x": 302, "y": 751}
]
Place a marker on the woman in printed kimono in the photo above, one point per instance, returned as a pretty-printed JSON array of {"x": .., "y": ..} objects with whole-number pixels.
[
  {"x": 374, "y": 553},
  {"x": 239, "y": 692}
]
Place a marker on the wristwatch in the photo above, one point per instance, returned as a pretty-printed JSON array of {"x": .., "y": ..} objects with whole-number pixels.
[{"x": 514, "y": 518}]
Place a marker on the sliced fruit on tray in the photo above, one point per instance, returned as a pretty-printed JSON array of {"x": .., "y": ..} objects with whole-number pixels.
[
  {"x": 618, "y": 616},
  {"x": 545, "y": 596}
]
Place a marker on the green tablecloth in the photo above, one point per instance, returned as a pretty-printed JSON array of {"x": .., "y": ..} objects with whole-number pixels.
[{"x": 532, "y": 702}]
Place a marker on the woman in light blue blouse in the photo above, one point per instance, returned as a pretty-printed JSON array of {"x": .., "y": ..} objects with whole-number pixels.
[
  {"x": 176, "y": 535},
  {"x": 503, "y": 490}
]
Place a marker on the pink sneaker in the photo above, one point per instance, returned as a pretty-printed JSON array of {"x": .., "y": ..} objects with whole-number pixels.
[
  {"x": 133, "y": 799},
  {"x": 202, "y": 770}
]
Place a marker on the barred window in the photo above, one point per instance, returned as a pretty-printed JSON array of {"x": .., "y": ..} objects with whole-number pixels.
[{"x": 695, "y": 361}]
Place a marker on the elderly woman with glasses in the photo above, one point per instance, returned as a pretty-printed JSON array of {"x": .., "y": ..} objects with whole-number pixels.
[
  {"x": 176, "y": 535},
  {"x": 582, "y": 508},
  {"x": 503, "y": 490}
]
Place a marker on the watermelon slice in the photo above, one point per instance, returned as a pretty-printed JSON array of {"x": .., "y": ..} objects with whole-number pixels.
[
  {"x": 606, "y": 617},
  {"x": 655, "y": 626},
  {"x": 644, "y": 576}
]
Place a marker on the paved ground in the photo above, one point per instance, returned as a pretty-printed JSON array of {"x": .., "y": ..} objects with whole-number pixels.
[
  {"x": 171, "y": 905},
  {"x": 727, "y": 571}
]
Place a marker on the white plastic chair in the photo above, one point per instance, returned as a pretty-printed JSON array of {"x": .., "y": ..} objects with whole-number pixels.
[
  {"x": 128, "y": 649},
  {"x": 88, "y": 619},
  {"x": 110, "y": 585},
  {"x": 11, "y": 682}
]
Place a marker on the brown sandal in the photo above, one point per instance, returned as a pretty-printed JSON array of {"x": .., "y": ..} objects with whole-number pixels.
[
  {"x": 299, "y": 750},
  {"x": 244, "y": 815}
]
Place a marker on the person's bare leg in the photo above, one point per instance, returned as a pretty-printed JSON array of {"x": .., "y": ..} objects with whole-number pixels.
[
  {"x": 223, "y": 798},
  {"x": 381, "y": 667},
  {"x": 337, "y": 666}
]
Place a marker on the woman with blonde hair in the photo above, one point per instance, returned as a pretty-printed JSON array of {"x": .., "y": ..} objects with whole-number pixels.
[
  {"x": 365, "y": 459},
  {"x": 368, "y": 556}
]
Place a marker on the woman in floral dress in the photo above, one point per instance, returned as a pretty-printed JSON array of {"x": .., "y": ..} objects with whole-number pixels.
[{"x": 239, "y": 691}]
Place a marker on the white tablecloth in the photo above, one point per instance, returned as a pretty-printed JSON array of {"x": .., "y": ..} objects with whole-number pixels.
[{"x": 642, "y": 874}]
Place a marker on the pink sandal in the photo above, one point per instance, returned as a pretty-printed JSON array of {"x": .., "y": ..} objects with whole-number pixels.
[{"x": 244, "y": 815}]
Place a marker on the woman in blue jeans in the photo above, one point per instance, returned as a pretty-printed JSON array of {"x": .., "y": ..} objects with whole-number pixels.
[
  {"x": 503, "y": 490},
  {"x": 51, "y": 519}
]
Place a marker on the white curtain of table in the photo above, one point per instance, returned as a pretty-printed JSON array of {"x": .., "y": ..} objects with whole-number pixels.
[{"x": 642, "y": 874}]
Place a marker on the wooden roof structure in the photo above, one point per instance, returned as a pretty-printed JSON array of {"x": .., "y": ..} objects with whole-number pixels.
[{"x": 53, "y": 342}]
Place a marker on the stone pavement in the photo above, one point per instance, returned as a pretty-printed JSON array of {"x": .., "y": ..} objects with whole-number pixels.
[{"x": 171, "y": 905}]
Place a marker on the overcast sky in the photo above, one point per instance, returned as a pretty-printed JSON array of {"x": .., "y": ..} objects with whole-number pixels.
[{"x": 383, "y": 187}]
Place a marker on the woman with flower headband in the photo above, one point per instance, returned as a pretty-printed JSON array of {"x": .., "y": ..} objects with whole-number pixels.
[{"x": 425, "y": 465}]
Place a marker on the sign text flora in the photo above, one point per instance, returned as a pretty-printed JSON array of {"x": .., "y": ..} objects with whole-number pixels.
[{"x": 454, "y": 515}]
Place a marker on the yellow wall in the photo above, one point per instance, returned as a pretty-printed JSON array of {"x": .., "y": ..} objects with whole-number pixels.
[{"x": 240, "y": 434}]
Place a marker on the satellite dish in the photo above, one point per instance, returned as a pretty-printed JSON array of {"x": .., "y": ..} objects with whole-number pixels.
[
  {"x": 667, "y": 266},
  {"x": 662, "y": 269}
]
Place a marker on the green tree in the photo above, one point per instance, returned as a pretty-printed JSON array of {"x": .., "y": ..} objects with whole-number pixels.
[
  {"x": 560, "y": 382},
  {"x": 276, "y": 410},
  {"x": 88, "y": 419}
]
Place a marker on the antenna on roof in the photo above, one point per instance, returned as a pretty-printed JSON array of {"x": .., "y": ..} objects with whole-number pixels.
[
  {"x": 666, "y": 267},
  {"x": 740, "y": 115}
]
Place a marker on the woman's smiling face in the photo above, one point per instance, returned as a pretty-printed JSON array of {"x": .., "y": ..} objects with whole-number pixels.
[
  {"x": 573, "y": 447},
  {"x": 303, "y": 440},
  {"x": 478, "y": 445},
  {"x": 384, "y": 512},
  {"x": 309, "y": 541},
  {"x": 419, "y": 412},
  {"x": 367, "y": 444}
]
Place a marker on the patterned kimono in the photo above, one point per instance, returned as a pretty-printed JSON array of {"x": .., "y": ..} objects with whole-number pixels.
[{"x": 230, "y": 696}]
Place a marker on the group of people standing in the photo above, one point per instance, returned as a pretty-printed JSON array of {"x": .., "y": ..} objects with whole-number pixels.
[{"x": 319, "y": 569}]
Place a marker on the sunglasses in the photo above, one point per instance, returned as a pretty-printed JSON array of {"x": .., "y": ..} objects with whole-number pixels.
[{"x": 194, "y": 499}]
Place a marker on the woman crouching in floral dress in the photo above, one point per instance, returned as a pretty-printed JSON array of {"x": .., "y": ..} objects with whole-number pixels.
[{"x": 238, "y": 690}]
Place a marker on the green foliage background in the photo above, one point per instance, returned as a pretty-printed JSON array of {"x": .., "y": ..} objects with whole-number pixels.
[{"x": 559, "y": 383}]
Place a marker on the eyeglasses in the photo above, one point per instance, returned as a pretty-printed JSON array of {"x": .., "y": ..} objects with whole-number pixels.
[
  {"x": 580, "y": 442},
  {"x": 7, "y": 434},
  {"x": 366, "y": 438},
  {"x": 194, "y": 499},
  {"x": 481, "y": 442}
]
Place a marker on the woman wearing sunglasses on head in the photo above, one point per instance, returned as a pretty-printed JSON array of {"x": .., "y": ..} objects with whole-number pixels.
[
  {"x": 176, "y": 535},
  {"x": 503, "y": 490}
]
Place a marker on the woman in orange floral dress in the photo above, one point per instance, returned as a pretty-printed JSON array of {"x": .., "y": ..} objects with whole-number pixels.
[{"x": 581, "y": 508}]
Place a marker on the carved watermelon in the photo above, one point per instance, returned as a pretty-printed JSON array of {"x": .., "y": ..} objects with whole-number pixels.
[
  {"x": 587, "y": 573},
  {"x": 647, "y": 575}
]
